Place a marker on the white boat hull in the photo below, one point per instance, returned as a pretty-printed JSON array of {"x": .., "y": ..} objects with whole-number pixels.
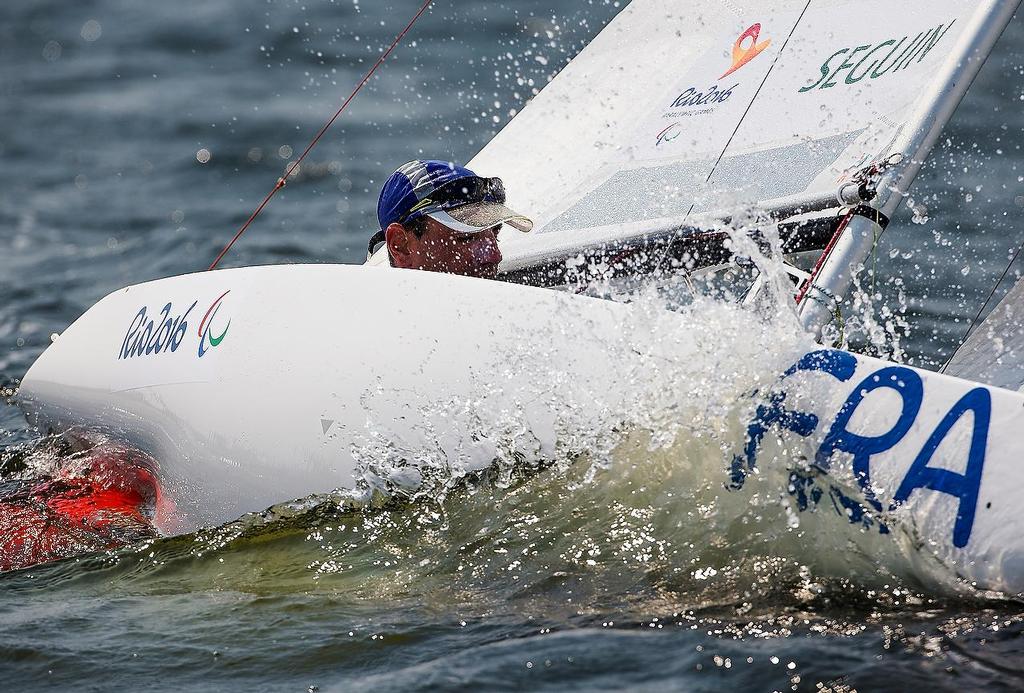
[
  {"x": 258, "y": 385},
  {"x": 314, "y": 368}
]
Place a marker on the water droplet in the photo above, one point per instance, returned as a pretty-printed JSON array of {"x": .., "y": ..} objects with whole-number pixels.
[
  {"x": 51, "y": 51},
  {"x": 91, "y": 30}
]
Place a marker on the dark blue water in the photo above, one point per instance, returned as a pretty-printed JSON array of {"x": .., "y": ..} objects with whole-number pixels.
[{"x": 136, "y": 138}]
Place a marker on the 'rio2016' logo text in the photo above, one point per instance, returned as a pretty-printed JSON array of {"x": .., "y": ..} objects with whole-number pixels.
[
  {"x": 155, "y": 336},
  {"x": 692, "y": 97}
]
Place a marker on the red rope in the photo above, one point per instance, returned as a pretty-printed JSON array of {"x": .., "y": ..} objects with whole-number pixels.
[
  {"x": 281, "y": 181},
  {"x": 806, "y": 286}
]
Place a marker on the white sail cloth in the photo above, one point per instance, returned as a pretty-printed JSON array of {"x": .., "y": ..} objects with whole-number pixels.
[
  {"x": 994, "y": 352},
  {"x": 676, "y": 109}
]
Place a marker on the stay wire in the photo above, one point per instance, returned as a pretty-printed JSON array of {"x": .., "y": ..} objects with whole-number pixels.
[
  {"x": 970, "y": 328},
  {"x": 295, "y": 164}
]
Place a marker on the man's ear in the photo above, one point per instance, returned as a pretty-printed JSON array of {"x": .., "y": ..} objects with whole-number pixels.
[{"x": 397, "y": 238}]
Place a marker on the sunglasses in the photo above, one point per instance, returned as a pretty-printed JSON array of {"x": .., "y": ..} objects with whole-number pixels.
[{"x": 457, "y": 193}]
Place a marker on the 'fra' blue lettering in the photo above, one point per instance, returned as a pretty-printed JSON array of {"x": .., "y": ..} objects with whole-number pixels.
[
  {"x": 907, "y": 383},
  {"x": 838, "y": 364},
  {"x": 904, "y": 381},
  {"x": 964, "y": 486}
]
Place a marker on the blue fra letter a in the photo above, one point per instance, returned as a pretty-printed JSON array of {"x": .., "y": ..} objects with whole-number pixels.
[{"x": 964, "y": 486}]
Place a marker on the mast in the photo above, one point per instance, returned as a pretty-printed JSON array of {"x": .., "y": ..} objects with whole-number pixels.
[{"x": 935, "y": 108}]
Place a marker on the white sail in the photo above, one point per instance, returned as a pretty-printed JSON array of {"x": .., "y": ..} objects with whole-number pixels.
[
  {"x": 679, "y": 109},
  {"x": 993, "y": 352}
]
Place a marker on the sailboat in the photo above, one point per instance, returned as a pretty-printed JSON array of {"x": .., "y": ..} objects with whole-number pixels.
[{"x": 255, "y": 385}]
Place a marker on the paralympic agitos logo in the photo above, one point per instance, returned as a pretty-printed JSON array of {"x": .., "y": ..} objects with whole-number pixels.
[
  {"x": 874, "y": 60},
  {"x": 207, "y": 339},
  {"x": 166, "y": 331}
]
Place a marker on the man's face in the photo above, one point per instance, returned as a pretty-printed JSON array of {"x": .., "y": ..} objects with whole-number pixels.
[{"x": 440, "y": 249}]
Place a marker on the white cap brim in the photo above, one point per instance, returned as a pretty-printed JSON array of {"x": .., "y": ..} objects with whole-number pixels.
[{"x": 479, "y": 216}]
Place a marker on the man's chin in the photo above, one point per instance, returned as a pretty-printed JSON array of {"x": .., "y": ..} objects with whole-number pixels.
[
  {"x": 483, "y": 272},
  {"x": 486, "y": 272}
]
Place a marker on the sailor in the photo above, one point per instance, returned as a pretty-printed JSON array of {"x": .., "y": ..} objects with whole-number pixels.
[{"x": 441, "y": 217}]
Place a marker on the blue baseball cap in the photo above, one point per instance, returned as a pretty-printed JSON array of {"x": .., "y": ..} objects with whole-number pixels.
[{"x": 451, "y": 194}]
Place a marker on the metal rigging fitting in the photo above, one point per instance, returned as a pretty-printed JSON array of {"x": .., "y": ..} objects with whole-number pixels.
[{"x": 863, "y": 186}]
